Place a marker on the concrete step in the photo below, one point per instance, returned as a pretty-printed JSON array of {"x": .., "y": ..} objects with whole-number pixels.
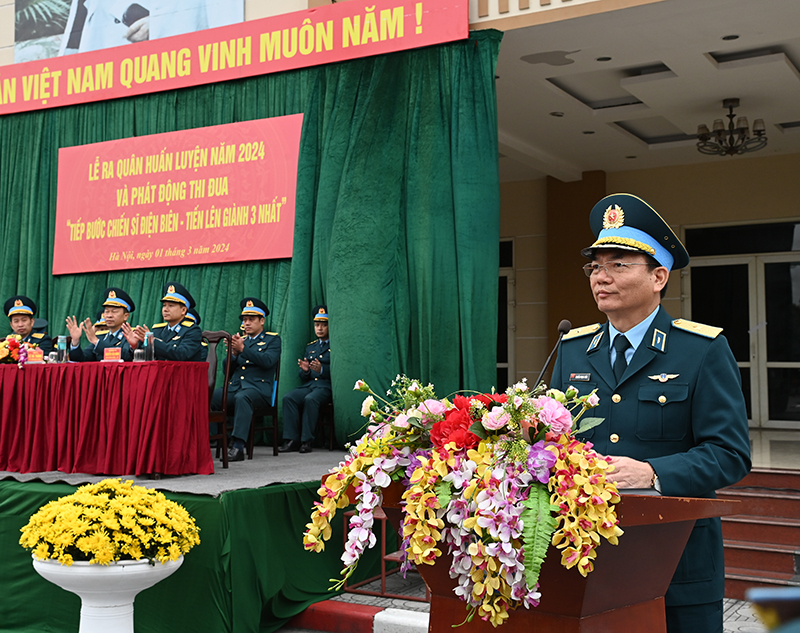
[
  {"x": 738, "y": 581},
  {"x": 762, "y": 557},
  {"x": 762, "y": 502},
  {"x": 761, "y": 529}
]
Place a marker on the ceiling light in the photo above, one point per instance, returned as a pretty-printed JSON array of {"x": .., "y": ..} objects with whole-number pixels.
[
  {"x": 736, "y": 139},
  {"x": 730, "y": 38},
  {"x": 557, "y": 114},
  {"x": 603, "y": 59}
]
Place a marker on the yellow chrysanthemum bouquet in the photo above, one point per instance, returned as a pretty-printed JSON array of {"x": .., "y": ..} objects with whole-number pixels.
[
  {"x": 109, "y": 521},
  {"x": 493, "y": 479}
]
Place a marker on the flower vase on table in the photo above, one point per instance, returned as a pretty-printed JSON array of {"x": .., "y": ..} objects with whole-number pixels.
[
  {"x": 488, "y": 484},
  {"x": 106, "y": 542}
]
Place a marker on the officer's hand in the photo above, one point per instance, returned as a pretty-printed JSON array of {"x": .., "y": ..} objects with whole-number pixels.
[
  {"x": 74, "y": 328},
  {"x": 302, "y": 363},
  {"x": 88, "y": 327},
  {"x": 315, "y": 365},
  {"x": 629, "y": 473},
  {"x": 237, "y": 344},
  {"x": 130, "y": 335},
  {"x": 139, "y": 31}
]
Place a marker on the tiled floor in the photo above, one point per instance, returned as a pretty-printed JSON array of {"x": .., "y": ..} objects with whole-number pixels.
[{"x": 739, "y": 616}]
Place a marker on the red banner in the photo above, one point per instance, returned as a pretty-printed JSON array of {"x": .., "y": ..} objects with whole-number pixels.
[
  {"x": 217, "y": 194},
  {"x": 331, "y": 33}
]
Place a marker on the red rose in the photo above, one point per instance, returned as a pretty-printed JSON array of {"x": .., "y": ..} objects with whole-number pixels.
[
  {"x": 454, "y": 428},
  {"x": 489, "y": 399}
]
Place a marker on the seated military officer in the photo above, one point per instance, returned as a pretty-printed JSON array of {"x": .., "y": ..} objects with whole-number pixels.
[
  {"x": 100, "y": 324},
  {"x": 117, "y": 307},
  {"x": 176, "y": 339},
  {"x": 193, "y": 315},
  {"x": 301, "y": 405},
  {"x": 21, "y": 310},
  {"x": 255, "y": 358}
]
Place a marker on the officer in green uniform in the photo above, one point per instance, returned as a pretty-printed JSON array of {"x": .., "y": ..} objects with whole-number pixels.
[
  {"x": 117, "y": 307},
  {"x": 178, "y": 338},
  {"x": 21, "y": 311},
  {"x": 255, "y": 358},
  {"x": 301, "y": 405},
  {"x": 670, "y": 392},
  {"x": 193, "y": 315}
]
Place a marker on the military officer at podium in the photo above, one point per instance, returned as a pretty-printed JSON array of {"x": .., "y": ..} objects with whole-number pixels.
[
  {"x": 21, "y": 312},
  {"x": 256, "y": 355},
  {"x": 670, "y": 393},
  {"x": 301, "y": 405},
  {"x": 117, "y": 307},
  {"x": 178, "y": 338}
]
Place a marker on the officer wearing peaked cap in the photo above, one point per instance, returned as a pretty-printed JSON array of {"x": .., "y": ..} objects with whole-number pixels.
[
  {"x": 21, "y": 311},
  {"x": 301, "y": 406},
  {"x": 670, "y": 392},
  {"x": 177, "y": 338},
  {"x": 255, "y": 359},
  {"x": 117, "y": 306},
  {"x": 193, "y": 315}
]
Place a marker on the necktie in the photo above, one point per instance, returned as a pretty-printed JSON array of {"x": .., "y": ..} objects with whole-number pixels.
[{"x": 620, "y": 364}]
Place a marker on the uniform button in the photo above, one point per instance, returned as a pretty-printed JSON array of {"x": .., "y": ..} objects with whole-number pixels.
[
  {"x": 614, "y": 438},
  {"x": 616, "y": 398},
  {"x": 662, "y": 399}
]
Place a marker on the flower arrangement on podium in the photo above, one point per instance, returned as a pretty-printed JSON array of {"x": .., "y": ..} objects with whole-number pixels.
[
  {"x": 110, "y": 521},
  {"x": 13, "y": 350},
  {"x": 495, "y": 479}
]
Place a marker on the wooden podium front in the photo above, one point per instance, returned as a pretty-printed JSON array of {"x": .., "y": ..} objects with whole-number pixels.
[{"x": 625, "y": 592}]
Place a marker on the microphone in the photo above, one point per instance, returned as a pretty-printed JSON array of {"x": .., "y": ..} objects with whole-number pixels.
[{"x": 563, "y": 327}]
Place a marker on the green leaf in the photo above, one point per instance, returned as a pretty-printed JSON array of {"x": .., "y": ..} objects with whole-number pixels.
[
  {"x": 539, "y": 525},
  {"x": 443, "y": 492},
  {"x": 588, "y": 423},
  {"x": 477, "y": 429}
]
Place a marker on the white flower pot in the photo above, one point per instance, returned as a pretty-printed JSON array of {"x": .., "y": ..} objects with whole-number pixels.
[{"x": 106, "y": 592}]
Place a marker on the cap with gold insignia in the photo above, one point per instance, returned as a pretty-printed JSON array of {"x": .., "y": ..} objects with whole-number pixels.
[
  {"x": 99, "y": 321},
  {"x": 118, "y": 298},
  {"x": 19, "y": 304},
  {"x": 320, "y": 313},
  {"x": 627, "y": 222},
  {"x": 193, "y": 315},
  {"x": 175, "y": 292},
  {"x": 253, "y": 307}
]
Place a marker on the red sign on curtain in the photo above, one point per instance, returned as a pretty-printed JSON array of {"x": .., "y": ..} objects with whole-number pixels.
[
  {"x": 217, "y": 194},
  {"x": 331, "y": 33}
]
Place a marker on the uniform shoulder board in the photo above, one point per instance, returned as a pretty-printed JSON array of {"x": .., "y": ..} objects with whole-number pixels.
[
  {"x": 187, "y": 323},
  {"x": 709, "y": 331},
  {"x": 271, "y": 333},
  {"x": 312, "y": 342},
  {"x": 159, "y": 325},
  {"x": 581, "y": 331},
  {"x": 100, "y": 332},
  {"x": 38, "y": 335},
  {"x": 204, "y": 344}
]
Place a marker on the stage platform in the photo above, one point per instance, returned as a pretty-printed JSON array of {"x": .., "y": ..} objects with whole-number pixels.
[{"x": 250, "y": 572}]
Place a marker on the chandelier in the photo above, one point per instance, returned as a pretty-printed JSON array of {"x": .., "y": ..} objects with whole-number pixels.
[{"x": 736, "y": 139}]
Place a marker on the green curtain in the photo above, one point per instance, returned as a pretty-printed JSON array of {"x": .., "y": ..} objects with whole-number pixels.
[{"x": 397, "y": 223}]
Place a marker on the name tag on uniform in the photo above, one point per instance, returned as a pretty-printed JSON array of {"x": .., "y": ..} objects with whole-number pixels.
[{"x": 580, "y": 377}]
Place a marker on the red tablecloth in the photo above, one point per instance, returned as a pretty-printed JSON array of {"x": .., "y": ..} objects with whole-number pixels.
[{"x": 105, "y": 418}]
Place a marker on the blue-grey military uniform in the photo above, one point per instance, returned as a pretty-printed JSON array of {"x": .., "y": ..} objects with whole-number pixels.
[
  {"x": 96, "y": 352},
  {"x": 310, "y": 396},
  {"x": 183, "y": 342},
  {"x": 42, "y": 340},
  {"x": 678, "y": 406},
  {"x": 251, "y": 382}
]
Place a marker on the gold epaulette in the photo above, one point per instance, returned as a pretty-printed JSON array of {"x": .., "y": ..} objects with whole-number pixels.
[
  {"x": 709, "y": 331},
  {"x": 581, "y": 331},
  {"x": 155, "y": 325},
  {"x": 38, "y": 335},
  {"x": 187, "y": 323},
  {"x": 312, "y": 342},
  {"x": 204, "y": 344},
  {"x": 100, "y": 332},
  {"x": 271, "y": 333}
]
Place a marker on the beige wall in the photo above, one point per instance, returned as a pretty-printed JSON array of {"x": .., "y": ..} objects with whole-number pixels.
[
  {"x": 729, "y": 190},
  {"x": 523, "y": 216},
  {"x": 6, "y": 32}
]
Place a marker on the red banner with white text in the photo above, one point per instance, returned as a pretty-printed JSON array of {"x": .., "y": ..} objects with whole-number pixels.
[
  {"x": 217, "y": 194},
  {"x": 331, "y": 33}
]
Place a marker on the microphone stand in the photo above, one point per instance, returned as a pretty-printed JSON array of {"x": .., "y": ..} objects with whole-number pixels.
[{"x": 563, "y": 327}]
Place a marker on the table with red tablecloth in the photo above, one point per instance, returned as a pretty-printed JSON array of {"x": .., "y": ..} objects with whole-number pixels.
[{"x": 105, "y": 418}]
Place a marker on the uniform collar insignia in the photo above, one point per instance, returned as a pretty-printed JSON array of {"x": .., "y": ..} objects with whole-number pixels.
[
  {"x": 659, "y": 341},
  {"x": 663, "y": 377},
  {"x": 595, "y": 342}
]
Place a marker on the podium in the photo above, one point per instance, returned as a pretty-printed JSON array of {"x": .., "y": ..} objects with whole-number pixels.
[{"x": 625, "y": 592}]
